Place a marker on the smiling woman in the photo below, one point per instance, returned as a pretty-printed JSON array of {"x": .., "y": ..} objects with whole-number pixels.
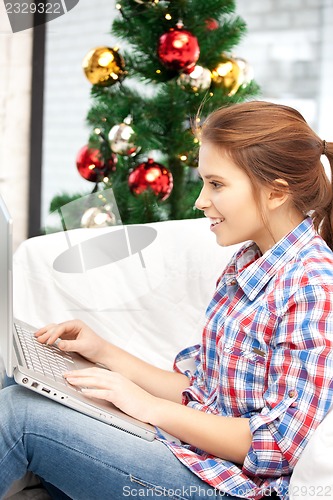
[
  {"x": 259, "y": 382},
  {"x": 250, "y": 145}
]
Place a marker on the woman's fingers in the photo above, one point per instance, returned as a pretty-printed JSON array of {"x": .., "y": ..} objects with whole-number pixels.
[
  {"x": 47, "y": 334},
  {"x": 98, "y": 378},
  {"x": 50, "y": 333}
]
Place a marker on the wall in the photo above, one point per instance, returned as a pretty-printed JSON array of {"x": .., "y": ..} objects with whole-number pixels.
[
  {"x": 287, "y": 45},
  {"x": 15, "y": 92},
  {"x": 325, "y": 101}
]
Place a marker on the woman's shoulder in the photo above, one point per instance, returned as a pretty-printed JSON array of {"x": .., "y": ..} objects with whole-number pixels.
[
  {"x": 308, "y": 274},
  {"x": 316, "y": 261}
]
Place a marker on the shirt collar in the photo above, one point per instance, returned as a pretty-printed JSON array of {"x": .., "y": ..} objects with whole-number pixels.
[{"x": 254, "y": 271}]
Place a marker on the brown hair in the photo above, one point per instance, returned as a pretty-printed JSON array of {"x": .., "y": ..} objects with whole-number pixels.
[{"x": 272, "y": 141}]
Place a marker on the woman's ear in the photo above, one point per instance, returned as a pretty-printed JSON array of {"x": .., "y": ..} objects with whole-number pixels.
[{"x": 278, "y": 193}]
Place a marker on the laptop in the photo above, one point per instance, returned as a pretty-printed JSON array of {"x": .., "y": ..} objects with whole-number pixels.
[{"x": 39, "y": 367}]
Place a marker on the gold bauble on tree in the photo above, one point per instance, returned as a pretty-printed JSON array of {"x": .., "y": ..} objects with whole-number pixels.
[
  {"x": 104, "y": 66},
  {"x": 247, "y": 70},
  {"x": 228, "y": 75}
]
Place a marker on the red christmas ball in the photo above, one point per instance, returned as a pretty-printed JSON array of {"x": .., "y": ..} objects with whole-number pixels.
[
  {"x": 211, "y": 24},
  {"x": 178, "y": 49},
  {"x": 151, "y": 175},
  {"x": 91, "y": 165}
]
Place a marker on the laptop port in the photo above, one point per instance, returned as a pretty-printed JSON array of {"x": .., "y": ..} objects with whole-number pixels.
[
  {"x": 46, "y": 390},
  {"x": 35, "y": 385}
]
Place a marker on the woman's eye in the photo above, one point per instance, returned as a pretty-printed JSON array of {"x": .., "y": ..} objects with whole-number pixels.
[{"x": 215, "y": 185}]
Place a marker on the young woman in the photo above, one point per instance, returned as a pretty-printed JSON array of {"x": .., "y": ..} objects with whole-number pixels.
[{"x": 261, "y": 381}]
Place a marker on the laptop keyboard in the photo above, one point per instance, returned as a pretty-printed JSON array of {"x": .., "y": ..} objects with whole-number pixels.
[{"x": 45, "y": 359}]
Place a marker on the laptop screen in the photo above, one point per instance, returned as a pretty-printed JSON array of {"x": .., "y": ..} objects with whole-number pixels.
[{"x": 6, "y": 289}]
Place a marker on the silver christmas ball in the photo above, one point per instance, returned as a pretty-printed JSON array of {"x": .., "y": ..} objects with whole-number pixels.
[
  {"x": 122, "y": 140},
  {"x": 96, "y": 217},
  {"x": 198, "y": 80}
]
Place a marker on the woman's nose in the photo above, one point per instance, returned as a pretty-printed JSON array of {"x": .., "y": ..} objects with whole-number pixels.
[{"x": 202, "y": 202}]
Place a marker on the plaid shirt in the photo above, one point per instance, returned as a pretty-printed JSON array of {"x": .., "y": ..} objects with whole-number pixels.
[{"x": 266, "y": 355}]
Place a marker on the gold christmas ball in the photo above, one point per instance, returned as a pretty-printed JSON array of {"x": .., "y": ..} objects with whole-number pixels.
[
  {"x": 198, "y": 80},
  {"x": 247, "y": 70},
  {"x": 104, "y": 66},
  {"x": 228, "y": 75}
]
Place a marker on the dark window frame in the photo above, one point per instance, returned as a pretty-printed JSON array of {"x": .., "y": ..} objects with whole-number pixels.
[{"x": 36, "y": 130}]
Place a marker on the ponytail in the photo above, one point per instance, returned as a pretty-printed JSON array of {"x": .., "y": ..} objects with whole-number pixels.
[{"x": 323, "y": 219}]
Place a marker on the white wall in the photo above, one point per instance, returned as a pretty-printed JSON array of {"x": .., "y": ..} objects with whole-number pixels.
[
  {"x": 287, "y": 43},
  {"x": 325, "y": 115},
  {"x": 15, "y": 92}
]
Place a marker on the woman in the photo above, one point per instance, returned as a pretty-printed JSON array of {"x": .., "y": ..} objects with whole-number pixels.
[{"x": 262, "y": 377}]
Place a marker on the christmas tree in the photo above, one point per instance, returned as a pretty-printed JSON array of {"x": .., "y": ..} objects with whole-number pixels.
[{"x": 176, "y": 58}]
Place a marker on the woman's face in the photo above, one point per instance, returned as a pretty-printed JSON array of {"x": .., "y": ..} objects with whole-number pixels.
[{"x": 227, "y": 199}]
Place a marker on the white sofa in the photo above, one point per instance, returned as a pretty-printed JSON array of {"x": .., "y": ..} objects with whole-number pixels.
[{"x": 151, "y": 304}]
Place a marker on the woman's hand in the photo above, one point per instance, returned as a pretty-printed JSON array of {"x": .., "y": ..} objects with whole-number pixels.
[
  {"x": 75, "y": 336},
  {"x": 115, "y": 388}
]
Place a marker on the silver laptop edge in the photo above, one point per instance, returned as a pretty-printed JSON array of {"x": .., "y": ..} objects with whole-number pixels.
[{"x": 6, "y": 290}]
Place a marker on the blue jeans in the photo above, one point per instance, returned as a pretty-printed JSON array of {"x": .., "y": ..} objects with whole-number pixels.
[{"x": 86, "y": 459}]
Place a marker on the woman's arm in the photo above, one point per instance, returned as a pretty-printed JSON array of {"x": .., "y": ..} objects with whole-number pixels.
[
  {"x": 226, "y": 437},
  {"x": 158, "y": 382}
]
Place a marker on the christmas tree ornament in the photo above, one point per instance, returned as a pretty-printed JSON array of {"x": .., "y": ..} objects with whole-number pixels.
[
  {"x": 228, "y": 75},
  {"x": 91, "y": 165},
  {"x": 211, "y": 24},
  {"x": 178, "y": 49},
  {"x": 122, "y": 138},
  {"x": 153, "y": 175},
  {"x": 246, "y": 69},
  {"x": 104, "y": 66},
  {"x": 96, "y": 217},
  {"x": 197, "y": 80}
]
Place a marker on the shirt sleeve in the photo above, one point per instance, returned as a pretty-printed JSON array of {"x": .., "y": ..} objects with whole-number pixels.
[
  {"x": 300, "y": 390},
  {"x": 187, "y": 362}
]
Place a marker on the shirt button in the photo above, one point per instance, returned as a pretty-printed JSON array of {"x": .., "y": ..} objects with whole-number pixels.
[
  {"x": 292, "y": 393},
  {"x": 232, "y": 282}
]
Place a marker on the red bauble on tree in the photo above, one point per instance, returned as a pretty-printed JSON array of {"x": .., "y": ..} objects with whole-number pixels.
[
  {"x": 211, "y": 24},
  {"x": 178, "y": 49},
  {"x": 151, "y": 175},
  {"x": 91, "y": 165}
]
